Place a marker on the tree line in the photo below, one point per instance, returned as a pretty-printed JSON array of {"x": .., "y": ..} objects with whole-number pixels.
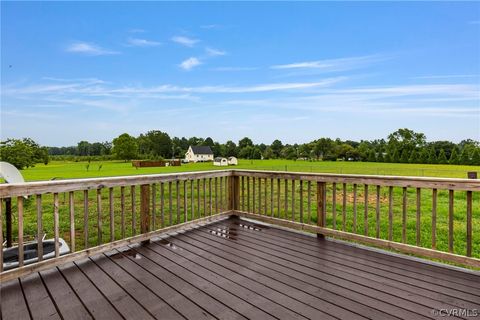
[{"x": 401, "y": 146}]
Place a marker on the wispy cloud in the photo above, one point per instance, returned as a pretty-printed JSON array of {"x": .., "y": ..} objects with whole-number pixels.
[
  {"x": 137, "y": 42},
  {"x": 185, "y": 41},
  {"x": 331, "y": 65},
  {"x": 210, "y": 26},
  {"x": 448, "y": 76},
  {"x": 190, "y": 63},
  {"x": 89, "y": 49},
  {"x": 235, "y": 69},
  {"x": 214, "y": 52}
]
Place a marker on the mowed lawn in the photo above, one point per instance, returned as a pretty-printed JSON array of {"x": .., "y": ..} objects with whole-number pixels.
[{"x": 68, "y": 170}]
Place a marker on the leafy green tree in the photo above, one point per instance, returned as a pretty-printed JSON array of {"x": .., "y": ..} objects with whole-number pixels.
[
  {"x": 277, "y": 147},
  {"x": 23, "y": 153},
  {"x": 268, "y": 154},
  {"x": 423, "y": 156},
  {"x": 475, "y": 157},
  {"x": 464, "y": 157},
  {"x": 413, "y": 157},
  {"x": 432, "y": 156},
  {"x": 380, "y": 157},
  {"x": 371, "y": 156},
  {"x": 388, "y": 158},
  {"x": 83, "y": 148},
  {"x": 125, "y": 147},
  {"x": 230, "y": 149},
  {"x": 405, "y": 139},
  {"x": 245, "y": 142},
  {"x": 395, "y": 157},
  {"x": 322, "y": 147},
  {"x": 155, "y": 144},
  {"x": 405, "y": 156},
  {"x": 246, "y": 153},
  {"x": 454, "y": 158},
  {"x": 257, "y": 153},
  {"x": 442, "y": 157}
]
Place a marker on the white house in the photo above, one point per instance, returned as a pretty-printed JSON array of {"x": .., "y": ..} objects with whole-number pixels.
[
  {"x": 219, "y": 161},
  {"x": 232, "y": 161},
  {"x": 199, "y": 154}
]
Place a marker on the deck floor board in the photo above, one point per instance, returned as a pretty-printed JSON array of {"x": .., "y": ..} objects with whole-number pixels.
[{"x": 238, "y": 269}]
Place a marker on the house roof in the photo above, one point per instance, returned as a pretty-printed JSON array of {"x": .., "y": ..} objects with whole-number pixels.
[
  {"x": 219, "y": 159},
  {"x": 201, "y": 150}
]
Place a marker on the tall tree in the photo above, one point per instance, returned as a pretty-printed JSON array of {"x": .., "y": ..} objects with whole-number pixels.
[
  {"x": 125, "y": 147},
  {"x": 277, "y": 147},
  {"x": 442, "y": 157}
]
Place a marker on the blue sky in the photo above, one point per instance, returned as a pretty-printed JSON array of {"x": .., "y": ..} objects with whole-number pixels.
[{"x": 294, "y": 71}]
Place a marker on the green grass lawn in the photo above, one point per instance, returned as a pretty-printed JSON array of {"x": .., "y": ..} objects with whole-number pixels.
[{"x": 67, "y": 170}]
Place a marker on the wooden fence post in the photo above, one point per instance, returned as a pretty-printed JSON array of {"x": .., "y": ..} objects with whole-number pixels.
[
  {"x": 234, "y": 193},
  {"x": 321, "y": 205},
  {"x": 145, "y": 209}
]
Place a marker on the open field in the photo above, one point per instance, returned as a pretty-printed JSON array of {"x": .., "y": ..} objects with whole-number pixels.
[{"x": 67, "y": 170}]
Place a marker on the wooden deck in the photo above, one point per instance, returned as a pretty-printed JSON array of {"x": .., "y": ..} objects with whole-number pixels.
[{"x": 235, "y": 269}]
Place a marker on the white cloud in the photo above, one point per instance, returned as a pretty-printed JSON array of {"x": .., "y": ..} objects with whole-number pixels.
[
  {"x": 331, "y": 65},
  {"x": 215, "y": 52},
  {"x": 185, "y": 41},
  {"x": 136, "y": 42},
  {"x": 448, "y": 76},
  {"x": 235, "y": 69},
  {"x": 190, "y": 63},
  {"x": 89, "y": 49},
  {"x": 210, "y": 26}
]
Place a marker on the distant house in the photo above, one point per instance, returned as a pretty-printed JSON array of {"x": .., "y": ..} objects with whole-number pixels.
[
  {"x": 199, "y": 154},
  {"x": 232, "y": 161},
  {"x": 219, "y": 161}
]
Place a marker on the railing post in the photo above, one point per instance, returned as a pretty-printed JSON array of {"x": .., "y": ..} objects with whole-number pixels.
[
  {"x": 145, "y": 209},
  {"x": 234, "y": 192},
  {"x": 321, "y": 205}
]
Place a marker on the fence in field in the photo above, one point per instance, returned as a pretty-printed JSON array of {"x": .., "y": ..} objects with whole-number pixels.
[{"x": 433, "y": 217}]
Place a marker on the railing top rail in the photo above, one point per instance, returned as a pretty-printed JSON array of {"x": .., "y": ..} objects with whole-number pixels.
[
  {"x": 395, "y": 181},
  {"x": 42, "y": 187}
]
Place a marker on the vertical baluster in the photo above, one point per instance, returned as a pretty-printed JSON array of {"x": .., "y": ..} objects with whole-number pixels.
[
  {"x": 56, "y": 231},
  {"x": 321, "y": 203},
  {"x": 450, "y": 221},
  {"x": 301, "y": 201},
  {"x": 309, "y": 202},
  {"x": 404, "y": 215},
  {"x": 293, "y": 200},
  {"x": 134, "y": 213},
  {"x": 170, "y": 204},
  {"x": 260, "y": 195},
  {"x": 271, "y": 197},
  {"x": 286, "y": 199},
  {"x": 185, "y": 204},
  {"x": 253, "y": 195},
  {"x": 162, "y": 204},
  {"x": 365, "y": 211},
  {"x": 20, "y": 231},
  {"x": 334, "y": 206},
  {"x": 221, "y": 195},
  {"x": 265, "y": 198},
  {"x": 354, "y": 208},
  {"x": 1, "y": 234},
  {"x": 469, "y": 223},
  {"x": 390, "y": 213},
  {"x": 177, "y": 190},
  {"x": 99, "y": 216},
  {"x": 377, "y": 214},
  {"x": 278, "y": 198},
  {"x": 344, "y": 206},
  {"x": 154, "y": 206},
  {"x": 192, "y": 195},
  {"x": 71, "y": 201},
  {"x": 85, "y": 217},
  {"x": 122, "y": 210},
  {"x": 204, "y": 198},
  {"x": 434, "y": 219},
  {"x": 248, "y": 194},
  {"x": 243, "y": 193},
  {"x": 418, "y": 215},
  {"x": 216, "y": 195},
  {"x": 39, "y": 229},
  {"x": 210, "y": 196},
  {"x": 112, "y": 215},
  {"x": 226, "y": 193}
]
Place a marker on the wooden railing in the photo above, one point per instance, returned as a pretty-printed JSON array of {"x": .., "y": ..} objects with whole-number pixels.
[
  {"x": 97, "y": 215},
  {"x": 432, "y": 217}
]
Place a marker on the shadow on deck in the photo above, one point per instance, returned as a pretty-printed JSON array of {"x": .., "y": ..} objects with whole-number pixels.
[{"x": 237, "y": 269}]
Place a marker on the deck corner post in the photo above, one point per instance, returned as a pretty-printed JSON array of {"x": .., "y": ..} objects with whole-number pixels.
[
  {"x": 145, "y": 209},
  {"x": 321, "y": 206},
  {"x": 234, "y": 193}
]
